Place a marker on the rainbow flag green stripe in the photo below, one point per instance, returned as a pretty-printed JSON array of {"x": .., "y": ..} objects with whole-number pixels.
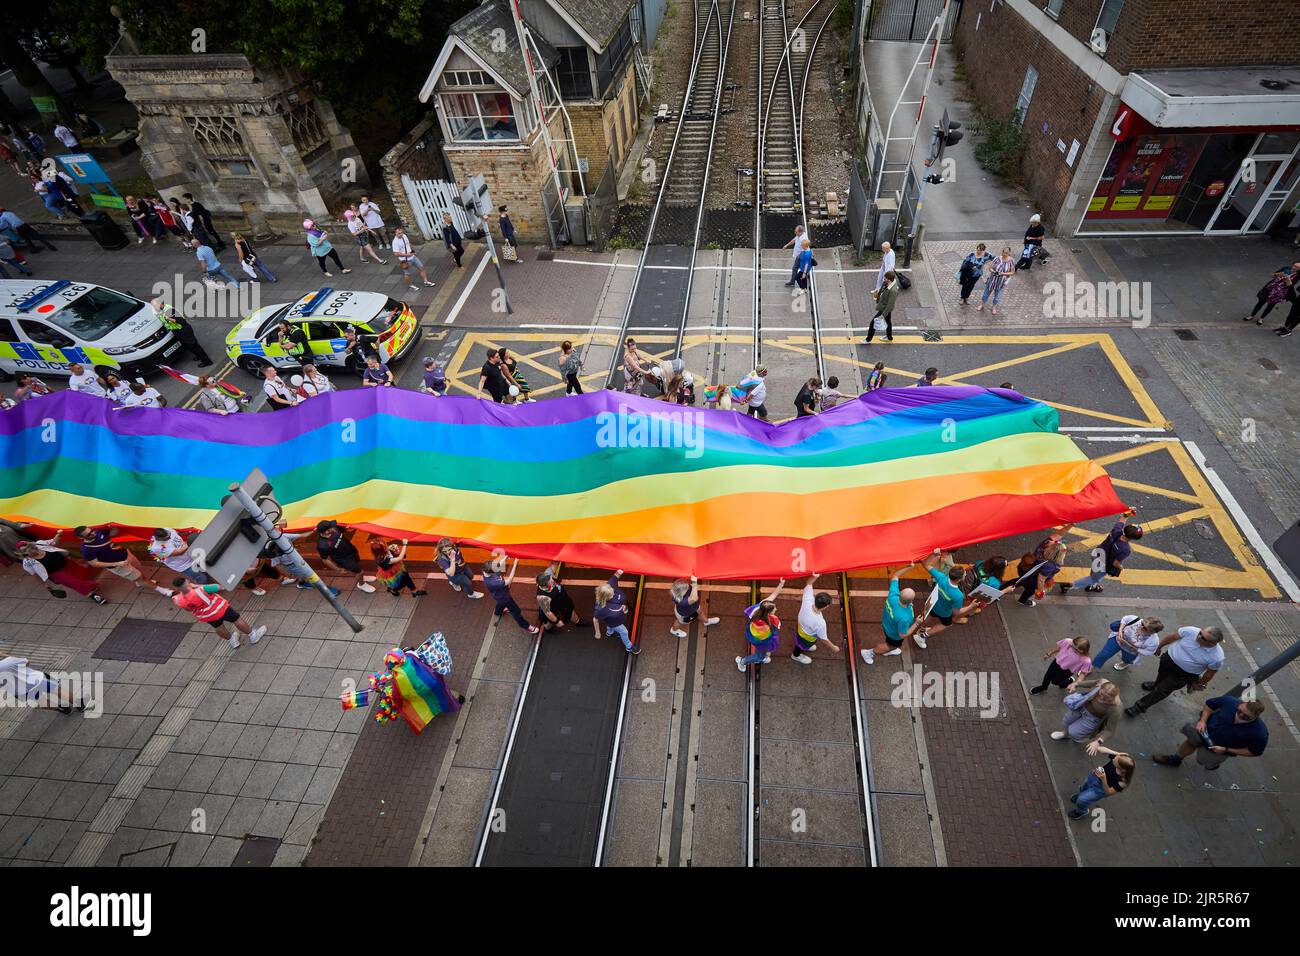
[{"x": 882, "y": 478}]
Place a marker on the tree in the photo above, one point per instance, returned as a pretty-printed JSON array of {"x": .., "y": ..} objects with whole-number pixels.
[{"x": 370, "y": 68}]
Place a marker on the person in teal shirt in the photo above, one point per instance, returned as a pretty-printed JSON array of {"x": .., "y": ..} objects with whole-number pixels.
[
  {"x": 950, "y": 603},
  {"x": 897, "y": 621}
]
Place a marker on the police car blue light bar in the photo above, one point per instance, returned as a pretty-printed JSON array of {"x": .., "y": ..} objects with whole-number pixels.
[
  {"x": 40, "y": 295},
  {"x": 312, "y": 304}
]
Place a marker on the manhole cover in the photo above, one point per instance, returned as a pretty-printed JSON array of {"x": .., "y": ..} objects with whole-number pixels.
[
  {"x": 257, "y": 851},
  {"x": 1204, "y": 529},
  {"x": 932, "y": 335},
  {"x": 1269, "y": 364},
  {"x": 1187, "y": 335},
  {"x": 1140, "y": 370},
  {"x": 141, "y": 640}
]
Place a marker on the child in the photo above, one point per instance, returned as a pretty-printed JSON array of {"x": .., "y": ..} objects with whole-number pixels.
[
  {"x": 1071, "y": 659},
  {"x": 877, "y": 377},
  {"x": 829, "y": 395},
  {"x": 392, "y": 574}
]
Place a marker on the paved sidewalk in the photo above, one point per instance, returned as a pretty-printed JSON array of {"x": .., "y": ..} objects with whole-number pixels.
[
  {"x": 1244, "y": 814},
  {"x": 190, "y": 756}
]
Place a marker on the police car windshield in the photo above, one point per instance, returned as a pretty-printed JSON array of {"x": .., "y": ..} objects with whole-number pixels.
[
  {"x": 272, "y": 321},
  {"x": 385, "y": 317},
  {"x": 92, "y": 316}
]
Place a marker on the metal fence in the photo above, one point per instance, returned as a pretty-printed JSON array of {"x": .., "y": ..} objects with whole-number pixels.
[
  {"x": 429, "y": 199},
  {"x": 903, "y": 19},
  {"x": 602, "y": 208}
]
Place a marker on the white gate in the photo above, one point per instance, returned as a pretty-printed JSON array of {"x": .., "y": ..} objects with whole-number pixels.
[{"x": 429, "y": 199}]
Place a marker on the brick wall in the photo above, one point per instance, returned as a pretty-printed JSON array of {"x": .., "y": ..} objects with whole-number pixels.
[
  {"x": 1064, "y": 98},
  {"x": 599, "y": 130},
  {"x": 1158, "y": 34},
  {"x": 514, "y": 176}
]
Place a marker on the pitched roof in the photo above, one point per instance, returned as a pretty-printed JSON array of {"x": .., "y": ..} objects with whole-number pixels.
[
  {"x": 476, "y": 31},
  {"x": 598, "y": 19}
]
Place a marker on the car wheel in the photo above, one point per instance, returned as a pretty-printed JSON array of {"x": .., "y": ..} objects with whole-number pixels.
[{"x": 252, "y": 365}]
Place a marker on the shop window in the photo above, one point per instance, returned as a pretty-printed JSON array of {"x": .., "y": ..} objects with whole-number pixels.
[
  {"x": 573, "y": 73},
  {"x": 610, "y": 64},
  {"x": 1026, "y": 95},
  {"x": 476, "y": 117},
  {"x": 1053, "y": 8}
]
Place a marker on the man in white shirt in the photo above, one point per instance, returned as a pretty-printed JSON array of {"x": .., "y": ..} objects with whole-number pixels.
[
  {"x": 1191, "y": 661},
  {"x": 66, "y": 136},
  {"x": 87, "y": 383},
  {"x": 278, "y": 393},
  {"x": 886, "y": 264},
  {"x": 406, "y": 258},
  {"x": 169, "y": 549},
  {"x": 373, "y": 220},
  {"x": 141, "y": 395},
  {"x": 812, "y": 625},
  {"x": 797, "y": 245}
]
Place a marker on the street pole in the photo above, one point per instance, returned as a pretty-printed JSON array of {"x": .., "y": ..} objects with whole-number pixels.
[
  {"x": 496, "y": 263},
  {"x": 1267, "y": 671},
  {"x": 296, "y": 564}
]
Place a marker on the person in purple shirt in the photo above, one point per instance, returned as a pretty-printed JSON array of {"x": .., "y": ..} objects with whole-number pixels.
[
  {"x": 498, "y": 585},
  {"x": 610, "y": 613},
  {"x": 1115, "y": 549},
  {"x": 686, "y": 606}
]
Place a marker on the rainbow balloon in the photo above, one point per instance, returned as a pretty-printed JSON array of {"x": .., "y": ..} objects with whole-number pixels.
[{"x": 599, "y": 480}]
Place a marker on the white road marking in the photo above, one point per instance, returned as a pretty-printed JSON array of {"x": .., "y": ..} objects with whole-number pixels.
[
  {"x": 588, "y": 262},
  {"x": 1278, "y": 570},
  {"x": 1109, "y": 428},
  {"x": 464, "y": 296}
]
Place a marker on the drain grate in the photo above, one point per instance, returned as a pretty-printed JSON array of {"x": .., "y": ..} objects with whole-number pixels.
[
  {"x": 1269, "y": 364},
  {"x": 1187, "y": 335},
  {"x": 256, "y": 851},
  {"x": 141, "y": 640}
]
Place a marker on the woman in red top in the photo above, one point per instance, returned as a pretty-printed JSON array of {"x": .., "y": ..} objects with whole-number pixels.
[{"x": 208, "y": 606}]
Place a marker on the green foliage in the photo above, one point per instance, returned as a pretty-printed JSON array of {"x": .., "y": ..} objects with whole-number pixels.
[
  {"x": 1002, "y": 145},
  {"x": 369, "y": 67},
  {"x": 842, "y": 18}
]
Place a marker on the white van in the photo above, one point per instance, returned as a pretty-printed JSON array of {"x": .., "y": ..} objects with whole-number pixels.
[{"x": 47, "y": 325}]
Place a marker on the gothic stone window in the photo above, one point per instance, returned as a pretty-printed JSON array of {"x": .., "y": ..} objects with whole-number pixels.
[
  {"x": 306, "y": 128},
  {"x": 222, "y": 144}
]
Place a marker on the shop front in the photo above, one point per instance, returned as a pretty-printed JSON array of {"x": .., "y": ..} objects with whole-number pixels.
[{"x": 1215, "y": 179}]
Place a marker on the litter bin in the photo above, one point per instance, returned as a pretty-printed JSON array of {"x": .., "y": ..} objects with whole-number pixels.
[{"x": 104, "y": 230}]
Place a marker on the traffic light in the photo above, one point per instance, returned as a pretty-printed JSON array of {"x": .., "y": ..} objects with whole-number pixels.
[{"x": 946, "y": 133}]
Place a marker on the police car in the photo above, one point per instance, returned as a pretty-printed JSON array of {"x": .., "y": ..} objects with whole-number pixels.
[
  {"x": 323, "y": 317},
  {"x": 47, "y": 326}
]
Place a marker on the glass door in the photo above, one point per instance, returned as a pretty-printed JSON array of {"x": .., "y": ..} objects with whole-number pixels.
[{"x": 1253, "y": 198}]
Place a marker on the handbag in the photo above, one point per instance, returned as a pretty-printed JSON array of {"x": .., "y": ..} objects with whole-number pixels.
[
  {"x": 903, "y": 281},
  {"x": 879, "y": 324},
  {"x": 248, "y": 268},
  {"x": 508, "y": 253}
]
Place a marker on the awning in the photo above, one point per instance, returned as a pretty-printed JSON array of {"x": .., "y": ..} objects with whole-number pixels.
[{"x": 1244, "y": 97}]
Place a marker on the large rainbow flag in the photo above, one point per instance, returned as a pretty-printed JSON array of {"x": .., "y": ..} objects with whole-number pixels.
[{"x": 599, "y": 480}]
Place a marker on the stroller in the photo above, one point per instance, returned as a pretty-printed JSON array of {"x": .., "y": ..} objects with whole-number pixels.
[{"x": 1030, "y": 254}]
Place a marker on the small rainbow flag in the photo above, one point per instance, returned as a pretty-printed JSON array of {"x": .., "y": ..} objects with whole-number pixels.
[
  {"x": 356, "y": 698},
  {"x": 420, "y": 693}
]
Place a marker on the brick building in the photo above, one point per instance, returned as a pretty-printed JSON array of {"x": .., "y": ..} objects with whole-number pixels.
[
  {"x": 1146, "y": 116},
  {"x": 480, "y": 89}
]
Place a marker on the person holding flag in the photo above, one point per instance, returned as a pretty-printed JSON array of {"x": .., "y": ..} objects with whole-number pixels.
[
  {"x": 215, "y": 396},
  {"x": 897, "y": 621}
]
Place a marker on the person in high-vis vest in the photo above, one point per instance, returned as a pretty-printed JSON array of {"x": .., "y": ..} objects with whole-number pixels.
[
  {"x": 208, "y": 606},
  {"x": 175, "y": 323}
]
